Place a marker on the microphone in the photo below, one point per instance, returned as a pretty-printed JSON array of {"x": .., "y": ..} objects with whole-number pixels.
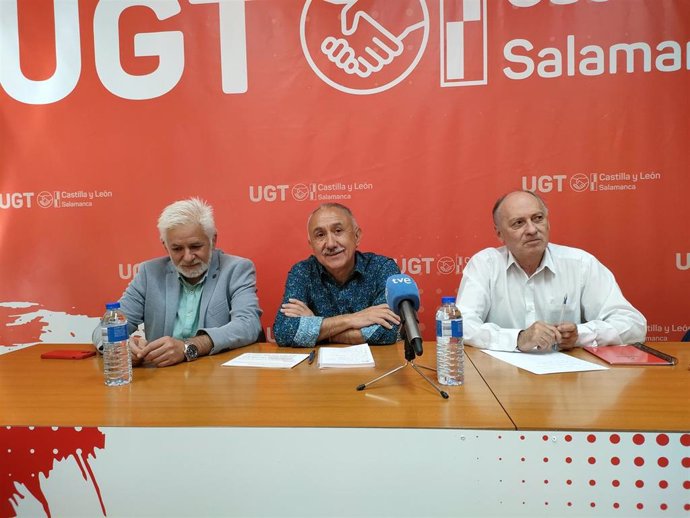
[{"x": 402, "y": 295}]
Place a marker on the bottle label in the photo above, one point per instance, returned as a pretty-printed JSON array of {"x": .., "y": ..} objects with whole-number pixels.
[
  {"x": 456, "y": 328},
  {"x": 117, "y": 333},
  {"x": 450, "y": 328}
]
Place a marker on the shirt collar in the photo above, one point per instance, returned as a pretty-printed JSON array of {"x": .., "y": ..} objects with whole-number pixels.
[
  {"x": 546, "y": 261},
  {"x": 191, "y": 287}
]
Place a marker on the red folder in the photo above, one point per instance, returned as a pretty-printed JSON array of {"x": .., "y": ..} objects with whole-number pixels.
[
  {"x": 631, "y": 354},
  {"x": 63, "y": 354}
]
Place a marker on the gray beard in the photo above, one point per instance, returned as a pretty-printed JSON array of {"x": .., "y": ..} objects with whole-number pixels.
[{"x": 194, "y": 272}]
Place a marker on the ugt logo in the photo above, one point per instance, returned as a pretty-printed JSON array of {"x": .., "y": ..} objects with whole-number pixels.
[
  {"x": 358, "y": 49},
  {"x": 364, "y": 47},
  {"x": 544, "y": 183},
  {"x": 302, "y": 192},
  {"x": 269, "y": 193}
]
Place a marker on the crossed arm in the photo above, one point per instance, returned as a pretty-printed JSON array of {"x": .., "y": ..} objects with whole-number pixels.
[
  {"x": 309, "y": 315},
  {"x": 347, "y": 328}
]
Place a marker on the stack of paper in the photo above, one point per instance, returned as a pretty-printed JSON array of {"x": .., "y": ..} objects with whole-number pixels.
[
  {"x": 267, "y": 360},
  {"x": 549, "y": 363},
  {"x": 354, "y": 356}
]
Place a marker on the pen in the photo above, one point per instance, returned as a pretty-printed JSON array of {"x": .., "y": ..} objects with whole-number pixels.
[
  {"x": 556, "y": 347},
  {"x": 565, "y": 301},
  {"x": 312, "y": 355}
]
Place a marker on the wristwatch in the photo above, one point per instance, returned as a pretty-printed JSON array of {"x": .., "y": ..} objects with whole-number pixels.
[{"x": 191, "y": 352}]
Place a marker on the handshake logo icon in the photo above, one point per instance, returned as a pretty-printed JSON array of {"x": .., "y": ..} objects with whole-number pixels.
[
  {"x": 364, "y": 47},
  {"x": 358, "y": 49}
]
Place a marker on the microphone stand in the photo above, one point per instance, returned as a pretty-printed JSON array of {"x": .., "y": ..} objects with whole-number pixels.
[{"x": 409, "y": 360}]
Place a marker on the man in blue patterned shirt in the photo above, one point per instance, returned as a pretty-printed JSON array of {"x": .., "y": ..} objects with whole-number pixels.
[{"x": 338, "y": 294}]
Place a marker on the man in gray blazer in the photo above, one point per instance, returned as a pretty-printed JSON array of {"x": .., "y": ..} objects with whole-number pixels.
[{"x": 196, "y": 301}]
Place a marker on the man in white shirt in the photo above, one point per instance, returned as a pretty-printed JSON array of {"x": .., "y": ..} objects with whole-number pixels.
[{"x": 530, "y": 295}]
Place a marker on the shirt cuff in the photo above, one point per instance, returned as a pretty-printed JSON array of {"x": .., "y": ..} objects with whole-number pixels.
[
  {"x": 368, "y": 331},
  {"x": 308, "y": 331},
  {"x": 585, "y": 336},
  {"x": 508, "y": 341}
]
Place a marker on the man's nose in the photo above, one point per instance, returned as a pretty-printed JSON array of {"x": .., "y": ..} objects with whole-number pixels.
[
  {"x": 188, "y": 255},
  {"x": 330, "y": 240},
  {"x": 530, "y": 227}
]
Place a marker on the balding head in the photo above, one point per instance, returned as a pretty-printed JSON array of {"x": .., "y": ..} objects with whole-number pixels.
[
  {"x": 521, "y": 223},
  {"x": 499, "y": 202}
]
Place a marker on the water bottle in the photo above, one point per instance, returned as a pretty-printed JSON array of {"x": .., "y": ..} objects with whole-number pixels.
[
  {"x": 450, "y": 354},
  {"x": 117, "y": 362}
]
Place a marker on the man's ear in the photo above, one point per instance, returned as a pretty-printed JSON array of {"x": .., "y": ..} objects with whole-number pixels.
[
  {"x": 358, "y": 236},
  {"x": 498, "y": 234},
  {"x": 214, "y": 240}
]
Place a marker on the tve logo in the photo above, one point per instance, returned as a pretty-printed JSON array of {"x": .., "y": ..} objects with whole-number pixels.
[
  {"x": 400, "y": 279},
  {"x": 679, "y": 261}
]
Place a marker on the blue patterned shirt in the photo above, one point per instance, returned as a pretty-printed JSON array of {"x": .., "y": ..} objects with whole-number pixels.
[{"x": 310, "y": 283}]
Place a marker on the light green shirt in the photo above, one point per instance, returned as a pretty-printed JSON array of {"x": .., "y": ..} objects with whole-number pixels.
[{"x": 187, "y": 318}]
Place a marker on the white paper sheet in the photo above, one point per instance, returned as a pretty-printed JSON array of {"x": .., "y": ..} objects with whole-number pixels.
[
  {"x": 353, "y": 356},
  {"x": 549, "y": 363},
  {"x": 267, "y": 360}
]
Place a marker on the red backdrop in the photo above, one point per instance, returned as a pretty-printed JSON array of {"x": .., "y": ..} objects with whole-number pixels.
[{"x": 111, "y": 110}]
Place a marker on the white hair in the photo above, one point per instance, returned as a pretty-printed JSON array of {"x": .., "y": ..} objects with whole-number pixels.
[{"x": 193, "y": 211}]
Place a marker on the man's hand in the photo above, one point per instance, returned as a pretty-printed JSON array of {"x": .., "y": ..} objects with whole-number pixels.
[
  {"x": 381, "y": 315},
  {"x": 163, "y": 352},
  {"x": 296, "y": 308},
  {"x": 539, "y": 337},
  {"x": 569, "y": 335},
  {"x": 136, "y": 345},
  {"x": 347, "y": 328}
]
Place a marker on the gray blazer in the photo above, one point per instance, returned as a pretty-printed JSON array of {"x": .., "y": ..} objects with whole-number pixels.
[{"x": 229, "y": 311}]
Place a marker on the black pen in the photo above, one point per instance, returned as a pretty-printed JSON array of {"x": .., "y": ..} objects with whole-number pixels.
[{"x": 312, "y": 355}]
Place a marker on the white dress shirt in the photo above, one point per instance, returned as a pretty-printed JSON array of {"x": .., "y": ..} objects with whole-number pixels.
[{"x": 497, "y": 299}]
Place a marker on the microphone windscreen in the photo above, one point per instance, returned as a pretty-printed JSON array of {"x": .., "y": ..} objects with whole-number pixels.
[{"x": 401, "y": 287}]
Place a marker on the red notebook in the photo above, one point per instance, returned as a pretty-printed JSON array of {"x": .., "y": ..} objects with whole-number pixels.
[{"x": 631, "y": 354}]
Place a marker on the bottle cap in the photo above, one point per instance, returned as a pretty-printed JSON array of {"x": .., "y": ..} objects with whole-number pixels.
[
  {"x": 112, "y": 305},
  {"x": 447, "y": 300}
]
